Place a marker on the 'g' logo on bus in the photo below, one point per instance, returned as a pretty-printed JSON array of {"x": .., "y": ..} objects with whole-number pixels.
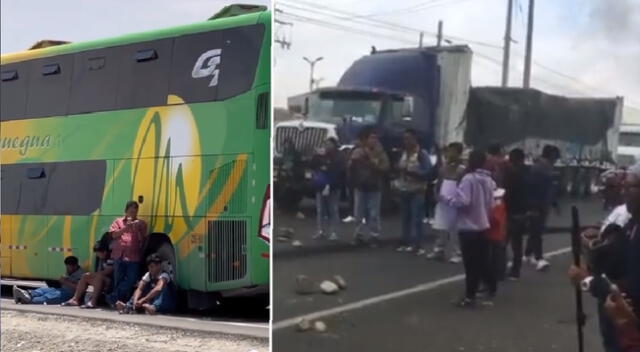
[{"x": 207, "y": 65}]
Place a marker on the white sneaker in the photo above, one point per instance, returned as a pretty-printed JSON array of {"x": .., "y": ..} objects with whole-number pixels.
[
  {"x": 349, "y": 219},
  {"x": 542, "y": 265},
  {"x": 421, "y": 252},
  {"x": 318, "y": 235},
  {"x": 401, "y": 249},
  {"x": 455, "y": 259},
  {"x": 333, "y": 237},
  {"x": 409, "y": 249},
  {"x": 530, "y": 260}
]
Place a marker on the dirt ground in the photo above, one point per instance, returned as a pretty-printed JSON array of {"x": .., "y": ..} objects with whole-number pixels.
[{"x": 30, "y": 332}]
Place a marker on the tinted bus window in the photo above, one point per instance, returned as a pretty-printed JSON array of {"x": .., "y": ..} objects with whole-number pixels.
[
  {"x": 143, "y": 79},
  {"x": 216, "y": 65},
  {"x": 13, "y": 91},
  {"x": 49, "y": 85},
  {"x": 94, "y": 85},
  {"x": 62, "y": 188}
]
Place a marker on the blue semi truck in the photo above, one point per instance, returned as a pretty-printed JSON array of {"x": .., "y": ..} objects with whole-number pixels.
[{"x": 392, "y": 90}]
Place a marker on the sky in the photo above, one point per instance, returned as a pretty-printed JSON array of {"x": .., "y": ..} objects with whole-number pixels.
[
  {"x": 594, "y": 42},
  {"x": 23, "y": 23}
]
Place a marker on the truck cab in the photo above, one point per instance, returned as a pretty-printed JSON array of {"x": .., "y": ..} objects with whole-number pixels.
[
  {"x": 339, "y": 113},
  {"x": 628, "y": 145}
]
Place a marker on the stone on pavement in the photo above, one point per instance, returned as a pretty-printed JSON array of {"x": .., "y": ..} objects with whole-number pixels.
[
  {"x": 285, "y": 234},
  {"x": 319, "y": 326},
  {"x": 340, "y": 281},
  {"x": 329, "y": 287},
  {"x": 304, "y": 325}
]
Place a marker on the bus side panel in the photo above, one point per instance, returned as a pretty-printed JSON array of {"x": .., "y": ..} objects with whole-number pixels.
[
  {"x": 192, "y": 257},
  {"x": 260, "y": 174},
  {"x": 71, "y": 235},
  {"x": 29, "y": 235},
  {"x": 6, "y": 243}
]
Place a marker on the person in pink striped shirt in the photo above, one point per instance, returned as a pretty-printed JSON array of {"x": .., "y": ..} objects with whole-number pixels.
[{"x": 129, "y": 234}]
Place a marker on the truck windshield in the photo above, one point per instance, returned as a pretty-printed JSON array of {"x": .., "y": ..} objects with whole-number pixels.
[
  {"x": 331, "y": 109},
  {"x": 629, "y": 139}
]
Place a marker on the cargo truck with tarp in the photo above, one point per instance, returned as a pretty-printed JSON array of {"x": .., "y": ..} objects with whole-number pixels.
[{"x": 585, "y": 130}]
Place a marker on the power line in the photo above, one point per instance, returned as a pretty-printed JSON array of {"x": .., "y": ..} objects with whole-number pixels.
[
  {"x": 342, "y": 27},
  {"x": 329, "y": 11},
  {"x": 416, "y": 8}
]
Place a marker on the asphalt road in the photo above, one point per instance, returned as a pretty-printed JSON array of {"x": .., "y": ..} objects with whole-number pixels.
[{"x": 400, "y": 302}]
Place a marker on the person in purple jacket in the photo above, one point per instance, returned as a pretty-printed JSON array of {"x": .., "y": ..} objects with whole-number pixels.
[{"x": 474, "y": 200}]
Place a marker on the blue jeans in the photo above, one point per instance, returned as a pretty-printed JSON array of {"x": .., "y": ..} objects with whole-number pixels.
[
  {"x": 327, "y": 211},
  {"x": 367, "y": 208},
  {"x": 50, "y": 295},
  {"x": 164, "y": 302},
  {"x": 125, "y": 276},
  {"x": 412, "y": 206}
]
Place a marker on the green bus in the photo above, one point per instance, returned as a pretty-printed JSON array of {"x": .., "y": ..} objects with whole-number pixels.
[{"x": 177, "y": 119}]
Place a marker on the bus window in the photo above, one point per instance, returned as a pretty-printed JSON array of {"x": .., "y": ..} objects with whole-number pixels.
[
  {"x": 143, "y": 80},
  {"x": 94, "y": 85},
  {"x": 240, "y": 59},
  {"x": 44, "y": 188},
  {"x": 10, "y": 189},
  {"x": 49, "y": 85},
  {"x": 13, "y": 91},
  {"x": 201, "y": 62},
  {"x": 197, "y": 60}
]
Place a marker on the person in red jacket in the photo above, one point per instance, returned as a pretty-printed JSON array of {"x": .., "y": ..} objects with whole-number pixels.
[{"x": 498, "y": 235}]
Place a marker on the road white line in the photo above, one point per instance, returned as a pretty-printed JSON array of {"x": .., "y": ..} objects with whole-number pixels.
[{"x": 386, "y": 297}]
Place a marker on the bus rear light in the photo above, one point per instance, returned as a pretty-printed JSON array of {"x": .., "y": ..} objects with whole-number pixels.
[{"x": 265, "y": 217}]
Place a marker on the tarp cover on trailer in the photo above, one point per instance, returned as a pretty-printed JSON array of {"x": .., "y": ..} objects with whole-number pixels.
[{"x": 513, "y": 115}]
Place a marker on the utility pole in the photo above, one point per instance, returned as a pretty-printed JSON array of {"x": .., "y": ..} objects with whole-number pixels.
[
  {"x": 527, "y": 59},
  {"x": 439, "y": 32},
  {"x": 312, "y": 64},
  {"x": 507, "y": 45}
]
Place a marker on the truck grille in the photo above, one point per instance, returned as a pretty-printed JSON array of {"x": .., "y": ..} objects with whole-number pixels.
[
  {"x": 226, "y": 250},
  {"x": 305, "y": 140}
]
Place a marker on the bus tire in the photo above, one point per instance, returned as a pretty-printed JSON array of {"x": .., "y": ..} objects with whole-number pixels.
[{"x": 168, "y": 255}]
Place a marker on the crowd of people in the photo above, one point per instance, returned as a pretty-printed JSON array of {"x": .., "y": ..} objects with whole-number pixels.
[
  {"x": 117, "y": 276},
  {"x": 466, "y": 196},
  {"x": 482, "y": 207}
]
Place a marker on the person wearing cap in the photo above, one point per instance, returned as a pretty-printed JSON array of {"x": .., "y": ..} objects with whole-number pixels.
[
  {"x": 52, "y": 295},
  {"x": 154, "y": 294},
  {"x": 99, "y": 279}
]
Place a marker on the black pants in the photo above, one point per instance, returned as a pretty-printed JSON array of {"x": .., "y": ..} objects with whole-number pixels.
[
  {"x": 498, "y": 252},
  {"x": 476, "y": 256},
  {"x": 536, "y": 228},
  {"x": 516, "y": 227}
]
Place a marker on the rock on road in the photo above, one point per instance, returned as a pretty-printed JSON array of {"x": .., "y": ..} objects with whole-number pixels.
[{"x": 30, "y": 332}]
